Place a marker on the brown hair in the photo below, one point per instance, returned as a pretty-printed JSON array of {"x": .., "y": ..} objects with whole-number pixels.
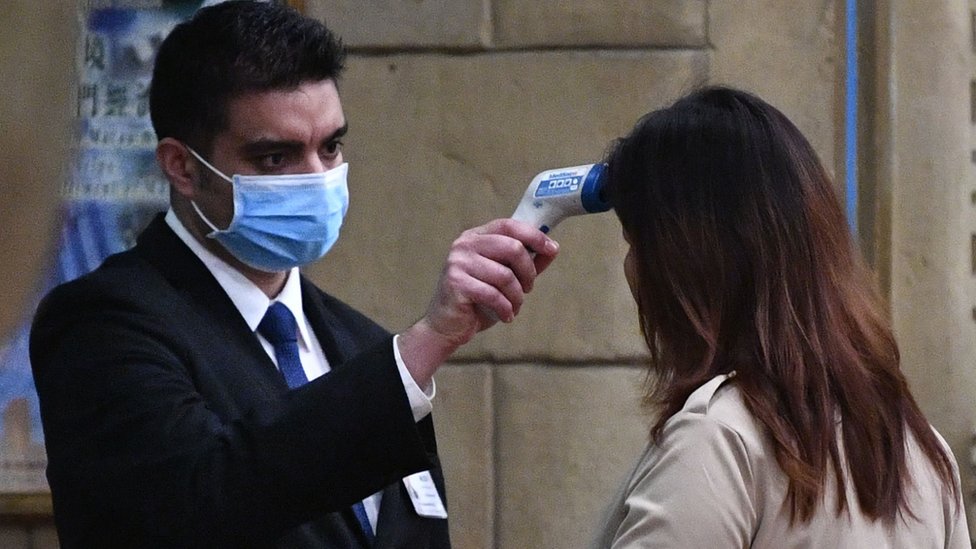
[{"x": 744, "y": 263}]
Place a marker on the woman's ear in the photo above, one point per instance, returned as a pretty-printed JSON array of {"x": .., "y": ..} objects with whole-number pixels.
[{"x": 178, "y": 166}]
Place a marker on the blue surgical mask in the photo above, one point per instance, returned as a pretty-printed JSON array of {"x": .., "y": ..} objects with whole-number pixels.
[{"x": 282, "y": 221}]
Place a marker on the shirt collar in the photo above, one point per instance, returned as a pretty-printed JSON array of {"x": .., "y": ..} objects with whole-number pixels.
[{"x": 249, "y": 300}]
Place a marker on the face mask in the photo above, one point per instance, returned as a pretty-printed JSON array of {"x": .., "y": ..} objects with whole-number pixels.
[{"x": 282, "y": 221}]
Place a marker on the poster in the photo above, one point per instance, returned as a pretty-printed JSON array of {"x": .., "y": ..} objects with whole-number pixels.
[{"x": 111, "y": 193}]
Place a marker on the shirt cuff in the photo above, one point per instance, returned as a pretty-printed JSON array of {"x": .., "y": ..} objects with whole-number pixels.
[{"x": 420, "y": 399}]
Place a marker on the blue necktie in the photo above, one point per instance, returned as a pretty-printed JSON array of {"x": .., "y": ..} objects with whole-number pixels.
[{"x": 279, "y": 328}]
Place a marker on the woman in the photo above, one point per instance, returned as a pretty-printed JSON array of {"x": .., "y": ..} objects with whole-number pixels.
[{"x": 785, "y": 420}]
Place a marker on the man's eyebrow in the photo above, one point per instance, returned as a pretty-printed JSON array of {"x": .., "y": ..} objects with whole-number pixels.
[
  {"x": 266, "y": 146},
  {"x": 339, "y": 133}
]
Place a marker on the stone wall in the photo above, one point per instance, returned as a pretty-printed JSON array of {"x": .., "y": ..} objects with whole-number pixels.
[
  {"x": 928, "y": 190},
  {"x": 454, "y": 105},
  {"x": 36, "y": 60}
]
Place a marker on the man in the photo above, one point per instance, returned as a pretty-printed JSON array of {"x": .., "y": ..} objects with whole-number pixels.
[{"x": 181, "y": 383}]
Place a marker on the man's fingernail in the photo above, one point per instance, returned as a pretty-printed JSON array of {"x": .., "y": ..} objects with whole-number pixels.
[{"x": 552, "y": 246}]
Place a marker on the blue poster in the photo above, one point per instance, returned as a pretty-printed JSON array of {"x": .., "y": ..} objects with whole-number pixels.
[{"x": 113, "y": 190}]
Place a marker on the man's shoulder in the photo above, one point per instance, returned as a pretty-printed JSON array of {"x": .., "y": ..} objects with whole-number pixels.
[
  {"x": 124, "y": 286},
  {"x": 129, "y": 272},
  {"x": 120, "y": 274}
]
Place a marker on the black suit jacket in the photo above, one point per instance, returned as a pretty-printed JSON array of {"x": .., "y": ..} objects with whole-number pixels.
[{"x": 167, "y": 425}]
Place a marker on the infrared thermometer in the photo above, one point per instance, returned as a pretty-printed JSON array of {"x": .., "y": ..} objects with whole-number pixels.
[{"x": 554, "y": 195}]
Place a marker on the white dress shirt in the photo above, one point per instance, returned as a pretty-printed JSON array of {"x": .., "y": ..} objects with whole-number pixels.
[{"x": 252, "y": 303}]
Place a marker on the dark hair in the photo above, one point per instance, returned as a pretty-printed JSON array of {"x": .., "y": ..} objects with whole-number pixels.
[
  {"x": 744, "y": 263},
  {"x": 230, "y": 49}
]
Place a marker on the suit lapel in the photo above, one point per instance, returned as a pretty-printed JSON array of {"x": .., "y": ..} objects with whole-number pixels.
[
  {"x": 330, "y": 331},
  {"x": 214, "y": 311},
  {"x": 392, "y": 518}
]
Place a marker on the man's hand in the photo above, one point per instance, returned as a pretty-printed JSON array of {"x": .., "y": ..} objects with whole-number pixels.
[{"x": 488, "y": 271}]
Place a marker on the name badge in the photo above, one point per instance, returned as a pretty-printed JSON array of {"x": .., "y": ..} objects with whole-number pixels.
[{"x": 423, "y": 493}]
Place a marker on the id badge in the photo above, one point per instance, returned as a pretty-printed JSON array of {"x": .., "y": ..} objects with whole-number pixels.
[{"x": 423, "y": 494}]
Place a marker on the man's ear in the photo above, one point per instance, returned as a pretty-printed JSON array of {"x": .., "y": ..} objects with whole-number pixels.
[{"x": 178, "y": 166}]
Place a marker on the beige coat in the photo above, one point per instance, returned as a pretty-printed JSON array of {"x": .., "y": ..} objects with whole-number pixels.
[{"x": 712, "y": 481}]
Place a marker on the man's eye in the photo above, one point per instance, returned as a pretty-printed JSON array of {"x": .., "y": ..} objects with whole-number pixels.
[
  {"x": 333, "y": 147},
  {"x": 270, "y": 162}
]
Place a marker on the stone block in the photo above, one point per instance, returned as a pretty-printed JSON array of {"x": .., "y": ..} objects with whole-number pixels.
[
  {"x": 464, "y": 419},
  {"x": 44, "y": 537},
  {"x": 14, "y": 537},
  {"x": 566, "y": 438},
  {"x": 791, "y": 55},
  {"x": 930, "y": 177},
  {"x": 439, "y": 144},
  {"x": 636, "y": 23},
  {"x": 38, "y": 69},
  {"x": 419, "y": 23}
]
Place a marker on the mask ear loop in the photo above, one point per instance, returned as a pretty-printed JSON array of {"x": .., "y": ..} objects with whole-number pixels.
[
  {"x": 193, "y": 202},
  {"x": 214, "y": 229},
  {"x": 208, "y": 164}
]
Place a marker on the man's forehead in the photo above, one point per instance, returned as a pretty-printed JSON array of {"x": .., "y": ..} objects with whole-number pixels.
[
  {"x": 309, "y": 88},
  {"x": 310, "y": 112}
]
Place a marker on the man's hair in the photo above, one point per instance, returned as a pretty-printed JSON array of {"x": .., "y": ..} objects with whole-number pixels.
[{"x": 228, "y": 50}]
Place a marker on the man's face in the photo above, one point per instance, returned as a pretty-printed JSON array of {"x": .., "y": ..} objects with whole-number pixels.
[{"x": 271, "y": 133}]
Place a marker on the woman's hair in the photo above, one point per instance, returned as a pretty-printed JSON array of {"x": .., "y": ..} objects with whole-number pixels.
[{"x": 743, "y": 262}]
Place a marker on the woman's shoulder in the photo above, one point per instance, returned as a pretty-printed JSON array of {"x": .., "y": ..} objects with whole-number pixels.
[
  {"x": 718, "y": 405},
  {"x": 707, "y": 473},
  {"x": 713, "y": 427}
]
